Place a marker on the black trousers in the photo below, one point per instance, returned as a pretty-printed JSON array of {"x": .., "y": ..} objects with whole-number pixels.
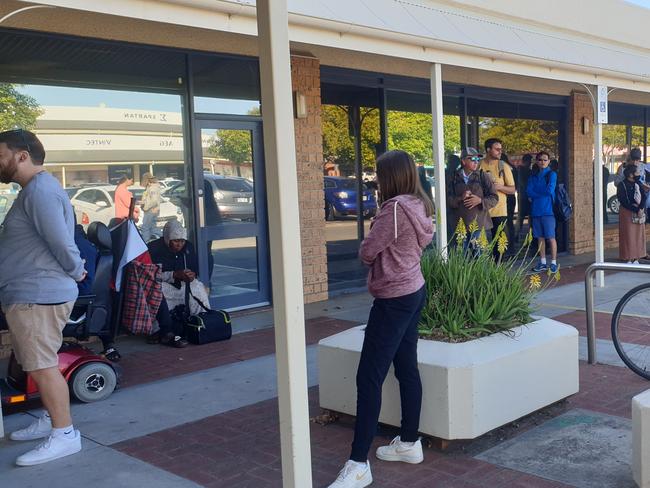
[
  {"x": 391, "y": 336},
  {"x": 496, "y": 222},
  {"x": 165, "y": 321}
]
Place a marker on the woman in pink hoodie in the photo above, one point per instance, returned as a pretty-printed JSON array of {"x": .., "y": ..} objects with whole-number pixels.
[{"x": 392, "y": 250}]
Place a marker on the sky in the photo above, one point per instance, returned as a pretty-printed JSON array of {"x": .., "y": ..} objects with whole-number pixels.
[
  {"x": 640, "y": 3},
  {"x": 91, "y": 97}
]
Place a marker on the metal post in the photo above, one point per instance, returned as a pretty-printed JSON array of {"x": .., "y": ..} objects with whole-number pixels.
[
  {"x": 383, "y": 122},
  {"x": 439, "y": 157},
  {"x": 591, "y": 318},
  {"x": 358, "y": 168},
  {"x": 599, "y": 232},
  {"x": 284, "y": 233}
]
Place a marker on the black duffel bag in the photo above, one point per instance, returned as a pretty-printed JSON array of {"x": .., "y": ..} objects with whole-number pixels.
[{"x": 207, "y": 326}]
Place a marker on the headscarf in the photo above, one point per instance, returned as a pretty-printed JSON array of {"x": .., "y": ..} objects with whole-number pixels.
[{"x": 174, "y": 230}]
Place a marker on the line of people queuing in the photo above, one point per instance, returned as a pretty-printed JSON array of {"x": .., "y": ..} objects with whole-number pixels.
[{"x": 484, "y": 188}]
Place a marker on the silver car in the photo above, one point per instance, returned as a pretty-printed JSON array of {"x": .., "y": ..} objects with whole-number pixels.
[{"x": 233, "y": 196}]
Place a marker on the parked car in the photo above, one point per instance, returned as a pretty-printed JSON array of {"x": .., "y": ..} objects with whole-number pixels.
[
  {"x": 97, "y": 203},
  {"x": 233, "y": 196},
  {"x": 341, "y": 198},
  {"x": 613, "y": 204},
  {"x": 168, "y": 183}
]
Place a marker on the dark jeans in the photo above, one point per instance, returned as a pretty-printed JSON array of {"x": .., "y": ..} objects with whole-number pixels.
[
  {"x": 391, "y": 336},
  {"x": 496, "y": 222},
  {"x": 165, "y": 321},
  {"x": 510, "y": 225}
]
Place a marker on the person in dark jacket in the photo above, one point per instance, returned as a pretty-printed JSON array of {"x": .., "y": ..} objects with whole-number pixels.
[
  {"x": 470, "y": 195},
  {"x": 541, "y": 191},
  {"x": 631, "y": 218},
  {"x": 179, "y": 263}
]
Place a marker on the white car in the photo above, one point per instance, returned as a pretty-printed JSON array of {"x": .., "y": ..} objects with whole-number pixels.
[
  {"x": 97, "y": 203},
  {"x": 613, "y": 204}
]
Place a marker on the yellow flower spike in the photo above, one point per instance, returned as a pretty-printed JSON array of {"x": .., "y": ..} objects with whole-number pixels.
[
  {"x": 461, "y": 231},
  {"x": 557, "y": 275},
  {"x": 535, "y": 282},
  {"x": 473, "y": 226},
  {"x": 483, "y": 240},
  {"x": 529, "y": 238},
  {"x": 502, "y": 242}
]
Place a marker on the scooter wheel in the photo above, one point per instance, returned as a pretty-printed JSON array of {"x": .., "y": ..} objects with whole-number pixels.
[{"x": 93, "y": 382}]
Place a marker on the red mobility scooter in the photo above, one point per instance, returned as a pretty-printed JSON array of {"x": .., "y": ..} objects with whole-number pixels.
[{"x": 91, "y": 377}]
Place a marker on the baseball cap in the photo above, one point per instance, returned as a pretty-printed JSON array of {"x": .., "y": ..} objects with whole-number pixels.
[{"x": 470, "y": 151}]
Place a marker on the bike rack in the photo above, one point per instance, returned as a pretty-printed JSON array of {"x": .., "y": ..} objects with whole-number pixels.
[{"x": 589, "y": 296}]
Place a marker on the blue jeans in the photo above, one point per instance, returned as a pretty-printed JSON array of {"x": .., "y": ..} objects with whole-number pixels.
[
  {"x": 391, "y": 336},
  {"x": 149, "y": 229}
]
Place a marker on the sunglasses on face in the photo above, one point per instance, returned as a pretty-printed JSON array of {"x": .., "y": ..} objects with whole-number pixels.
[{"x": 474, "y": 159}]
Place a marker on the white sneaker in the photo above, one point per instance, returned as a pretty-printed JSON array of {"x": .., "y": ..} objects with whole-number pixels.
[
  {"x": 50, "y": 449},
  {"x": 408, "y": 452},
  {"x": 353, "y": 475},
  {"x": 39, "y": 428}
]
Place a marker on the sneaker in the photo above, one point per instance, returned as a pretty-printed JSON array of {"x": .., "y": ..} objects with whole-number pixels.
[
  {"x": 50, "y": 449},
  {"x": 353, "y": 475},
  {"x": 407, "y": 452},
  {"x": 39, "y": 428},
  {"x": 553, "y": 268},
  {"x": 636, "y": 261},
  {"x": 540, "y": 267}
]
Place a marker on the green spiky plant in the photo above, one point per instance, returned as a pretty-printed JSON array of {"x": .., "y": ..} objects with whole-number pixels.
[{"x": 470, "y": 294}]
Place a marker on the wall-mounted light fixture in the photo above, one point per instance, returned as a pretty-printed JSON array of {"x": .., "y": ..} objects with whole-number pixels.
[
  {"x": 585, "y": 125},
  {"x": 299, "y": 105}
]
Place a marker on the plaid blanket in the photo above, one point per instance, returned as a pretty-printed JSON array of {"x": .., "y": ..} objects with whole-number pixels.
[{"x": 142, "y": 296}]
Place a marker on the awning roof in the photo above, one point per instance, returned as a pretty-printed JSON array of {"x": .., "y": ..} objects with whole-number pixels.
[{"x": 423, "y": 20}]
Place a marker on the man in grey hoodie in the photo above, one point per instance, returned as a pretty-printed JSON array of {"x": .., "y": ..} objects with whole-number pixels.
[{"x": 39, "y": 264}]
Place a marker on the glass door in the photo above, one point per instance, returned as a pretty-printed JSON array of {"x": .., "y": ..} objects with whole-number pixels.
[{"x": 230, "y": 198}]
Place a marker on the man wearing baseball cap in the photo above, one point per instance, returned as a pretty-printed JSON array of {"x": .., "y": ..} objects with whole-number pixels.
[{"x": 471, "y": 193}]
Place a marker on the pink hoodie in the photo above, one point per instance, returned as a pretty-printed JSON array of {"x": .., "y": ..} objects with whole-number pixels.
[{"x": 394, "y": 247}]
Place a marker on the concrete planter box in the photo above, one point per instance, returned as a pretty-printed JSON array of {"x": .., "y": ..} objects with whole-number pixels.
[{"x": 468, "y": 388}]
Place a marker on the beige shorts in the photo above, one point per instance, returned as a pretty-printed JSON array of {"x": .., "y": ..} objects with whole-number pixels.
[{"x": 36, "y": 333}]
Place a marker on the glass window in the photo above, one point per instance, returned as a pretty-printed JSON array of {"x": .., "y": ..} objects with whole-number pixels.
[
  {"x": 226, "y": 85},
  {"x": 228, "y": 176},
  {"x": 93, "y": 137}
]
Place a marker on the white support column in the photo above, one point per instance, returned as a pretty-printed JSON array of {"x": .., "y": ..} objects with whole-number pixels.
[
  {"x": 284, "y": 233},
  {"x": 439, "y": 156},
  {"x": 599, "y": 232}
]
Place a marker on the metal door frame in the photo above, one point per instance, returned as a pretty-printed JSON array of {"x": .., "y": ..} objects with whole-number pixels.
[{"x": 258, "y": 229}]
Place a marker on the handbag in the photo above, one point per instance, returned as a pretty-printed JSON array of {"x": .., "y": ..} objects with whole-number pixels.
[
  {"x": 207, "y": 326},
  {"x": 638, "y": 218}
]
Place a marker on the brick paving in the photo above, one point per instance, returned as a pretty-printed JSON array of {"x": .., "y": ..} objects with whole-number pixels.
[
  {"x": 241, "y": 448},
  {"x": 635, "y": 330},
  {"x": 165, "y": 362}
]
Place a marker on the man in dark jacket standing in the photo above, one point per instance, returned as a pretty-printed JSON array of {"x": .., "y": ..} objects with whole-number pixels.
[{"x": 471, "y": 194}]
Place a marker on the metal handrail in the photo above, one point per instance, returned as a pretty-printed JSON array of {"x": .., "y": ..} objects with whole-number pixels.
[{"x": 589, "y": 296}]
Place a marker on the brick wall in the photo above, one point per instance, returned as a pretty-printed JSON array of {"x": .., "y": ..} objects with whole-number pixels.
[
  {"x": 305, "y": 75},
  {"x": 581, "y": 176}
]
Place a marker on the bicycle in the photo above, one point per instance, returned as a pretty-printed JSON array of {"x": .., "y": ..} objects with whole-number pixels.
[{"x": 630, "y": 328}]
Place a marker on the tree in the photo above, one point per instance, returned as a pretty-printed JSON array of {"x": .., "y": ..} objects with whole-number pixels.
[
  {"x": 338, "y": 143},
  {"x": 232, "y": 145},
  {"x": 17, "y": 110},
  {"x": 521, "y": 136}
]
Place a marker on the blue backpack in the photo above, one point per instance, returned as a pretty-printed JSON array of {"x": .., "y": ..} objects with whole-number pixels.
[{"x": 562, "y": 206}]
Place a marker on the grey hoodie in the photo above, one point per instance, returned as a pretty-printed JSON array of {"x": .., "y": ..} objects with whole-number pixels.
[{"x": 394, "y": 247}]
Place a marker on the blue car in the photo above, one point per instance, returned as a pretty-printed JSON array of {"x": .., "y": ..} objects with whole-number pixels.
[{"x": 341, "y": 198}]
